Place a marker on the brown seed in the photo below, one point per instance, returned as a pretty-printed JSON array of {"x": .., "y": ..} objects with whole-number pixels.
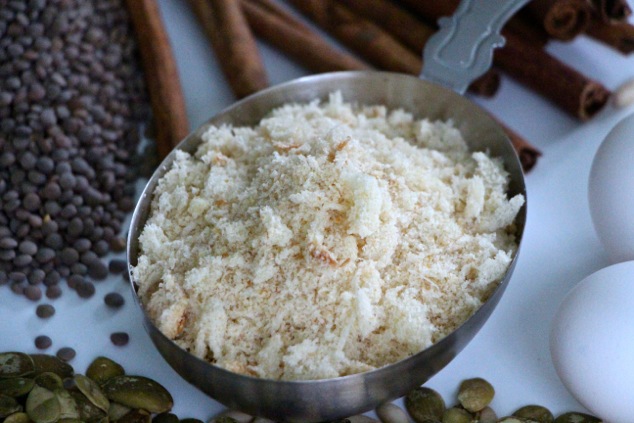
[
  {"x": 120, "y": 338},
  {"x": 66, "y": 354},
  {"x": 43, "y": 342},
  {"x": 44, "y": 311},
  {"x": 33, "y": 293},
  {"x": 114, "y": 300}
]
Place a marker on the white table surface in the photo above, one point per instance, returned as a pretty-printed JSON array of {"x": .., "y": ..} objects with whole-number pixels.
[{"x": 559, "y": 247}]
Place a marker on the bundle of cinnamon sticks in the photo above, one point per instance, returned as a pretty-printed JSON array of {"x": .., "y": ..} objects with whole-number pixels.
[{"x": 390, "y": 35}]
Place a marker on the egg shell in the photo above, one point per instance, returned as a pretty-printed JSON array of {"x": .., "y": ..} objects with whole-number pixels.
[
  {"x": 611, "y": 191},
  {"x": 592, "y": 342}
]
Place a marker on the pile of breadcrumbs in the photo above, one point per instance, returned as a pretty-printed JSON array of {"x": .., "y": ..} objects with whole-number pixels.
[{"x": 330, "y": 239}]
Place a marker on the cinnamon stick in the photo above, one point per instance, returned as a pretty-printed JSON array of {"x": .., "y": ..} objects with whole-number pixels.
[
  {"x": 431, "y": 11},
  {"x": 360, "y": 35},
  {"x": 399, "y": 22},
  {"x": 611, "y": 10},
  {"x": 161, "y": 75},
  {"x": 286, "y": 33},
  {"x": 530, "y": 65},
  {"x": 616, "y": 34},
  {"x": 374, "y": 44},
  {"x": 562, "y": 19},
  {"x": 526, "y": 152},
  {"x": 233, "y": 43}
]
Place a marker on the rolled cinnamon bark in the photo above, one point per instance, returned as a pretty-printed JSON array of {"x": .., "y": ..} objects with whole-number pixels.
[
  {"x": 526, "y": 152},
  {"x": 562, "y": 19},
  {"x": 616, "y": 34},
  {"x": 611, "y": 10},
  {"x": 360, "y": 35},
  {"x": 283, "y": 31},
  {"x": 397, "y": 21},
  {"x": 233, "y": 44},
  {"x": 376, "y": 45},
  {"x": 533, "y": 67},
  {"x": 161, "y": 75}
]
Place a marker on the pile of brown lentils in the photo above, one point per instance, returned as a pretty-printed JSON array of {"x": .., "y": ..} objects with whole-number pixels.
[{"x": 72, "y": 100}]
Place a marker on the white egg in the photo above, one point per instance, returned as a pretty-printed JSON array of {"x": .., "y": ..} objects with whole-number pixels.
[
  {"x": 592, "y": 342},
  {"x": 611, "y": 191}
]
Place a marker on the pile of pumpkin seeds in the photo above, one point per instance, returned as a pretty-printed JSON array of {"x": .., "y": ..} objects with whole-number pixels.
[
  {"x": 42, "y": 388},
  {"x": 424, "y": 405}
]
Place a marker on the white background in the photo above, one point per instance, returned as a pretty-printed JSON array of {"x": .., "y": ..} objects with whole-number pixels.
[{"x": 559, "y": 248}]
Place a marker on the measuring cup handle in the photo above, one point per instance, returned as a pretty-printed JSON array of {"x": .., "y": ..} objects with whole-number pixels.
[{"x": 462, "y": 49}]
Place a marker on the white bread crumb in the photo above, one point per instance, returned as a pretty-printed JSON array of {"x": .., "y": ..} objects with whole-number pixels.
[{"x": 327, "y": 240}]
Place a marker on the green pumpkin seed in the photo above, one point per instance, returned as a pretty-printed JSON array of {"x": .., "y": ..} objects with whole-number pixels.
[
  {"x": 102, "y": 369},
  {"x": 389, "y": 412},
  {"x": 49, "y": 380},
  {"x": 514, "y": 419},
  {"x": 19, "y": 417},
  {"x": 88, "y": 412},
  {"x": 456, "y": 415},
  {"x": 486, "y": 415},
  {"x": 116, "y": 411},
  {"x": 67, "y": 404},
  {"x": 136, "y": 416},
  {"x": 50, "y": 363},
  {"x": 424, "y": 404},
  {"x": 70, "y": 421},
  {"x": 8, "y": 406},
  {"x": 475, "y": 394},
  {"x": 91, "y": 390},
  {"x": 16, "y": 387},
  {"x": 15, "y": 364},
  {"x": 138, "y": 392},
  {"x": 165, "y": 418},
  {"x": 42, "y": 405},
  {"x": 577, "y": 418},
  {"x": 535, "y": 412}
]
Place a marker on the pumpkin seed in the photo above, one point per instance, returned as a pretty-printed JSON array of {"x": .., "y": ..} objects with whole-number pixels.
[
  {"x": 391, "y": 413},
  {"x": 70, "y": 421},
  {"x": 577, "y": 418},
  {"x": 42, "y": 405},
  {"x": 15, "y": 364},
  {"x": 138, "y": 392},
  {"x": 456, "y": 415},
  {"x": 16, "y": 387},
  {"x": 116, "y": 411},
  {"x": 359, "y": 418},
  {"x": 475, "y": 394},
  {"x": 424, "y": 404},
  {"x": 535, "y": 412},
  {"x": 102, "y": 369},
  {"x": 50, "y": 363},
  {"x": 514, "y": 419},
  {"x": 67, "y": 404},
  {"x": 136, "y": 416},
  {"x": 238, "y": 416},
  {"x": 486, "y": 415},
  {"x": 8, "y": 406},
  {"x": 88, "y": 412},
  {"x": 19, "y": 417},
  {"x": 91, "y": 390},
  {"x": 49, "y": 380}
]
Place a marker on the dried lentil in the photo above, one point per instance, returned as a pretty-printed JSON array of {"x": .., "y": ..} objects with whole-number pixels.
[
  {"x": 66, "y": 353},
  {"x": 44, "y": 311},
  {"x": 43, "y": 342},
  {"x": 71, "y": 101}
]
